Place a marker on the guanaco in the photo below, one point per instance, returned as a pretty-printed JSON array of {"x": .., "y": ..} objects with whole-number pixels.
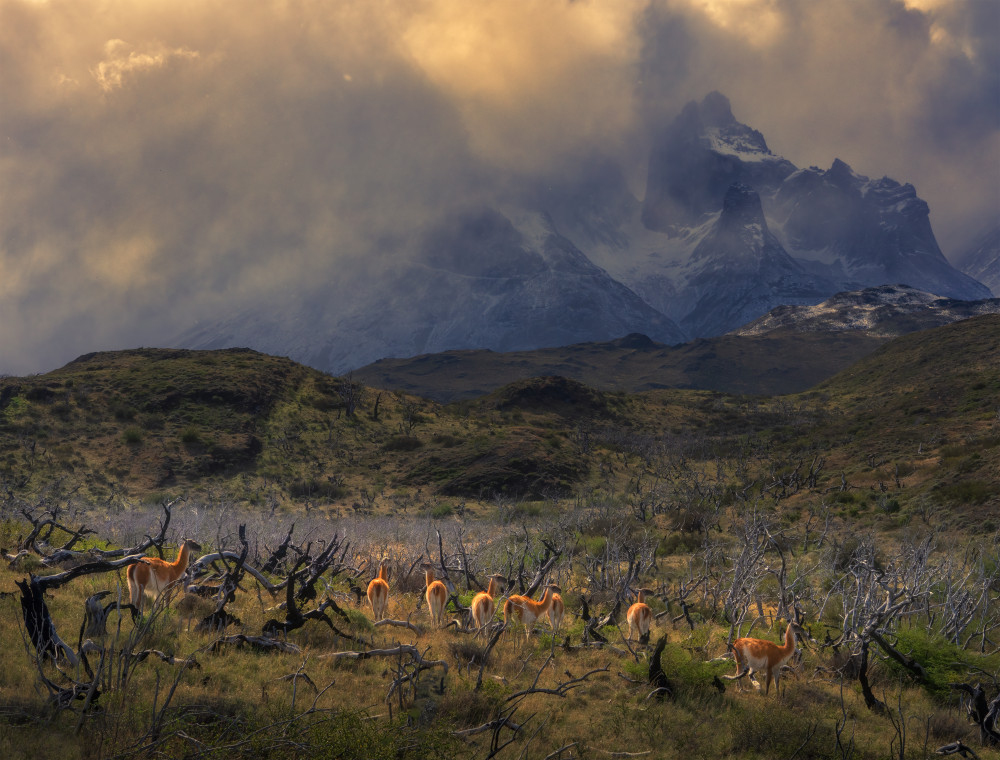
[
  {"x": 436, "y": 595},
  {"x": 556, "y": 610},
  {"x": 639, "y": 616},
  {"x": 378, "y": 592},
  {"x": 152, "y": 575},
  {"x": 755, "y": 655},
  {"x": 483, "y": 606},
  {"x": 528, "y": 610}
]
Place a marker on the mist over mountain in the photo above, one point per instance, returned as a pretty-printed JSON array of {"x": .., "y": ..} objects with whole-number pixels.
[
  {"x": 727, "y": 231},
  {"x": 982, "y": 259}
]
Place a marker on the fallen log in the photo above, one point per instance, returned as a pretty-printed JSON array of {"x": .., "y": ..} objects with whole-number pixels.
[{"x": 261, "y": 643}]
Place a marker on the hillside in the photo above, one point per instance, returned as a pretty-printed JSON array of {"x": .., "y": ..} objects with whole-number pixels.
[
  {"x": 145, "y": 424},
  {"x": 788, "y": 350},
  {"x": 772, "y": 364}
]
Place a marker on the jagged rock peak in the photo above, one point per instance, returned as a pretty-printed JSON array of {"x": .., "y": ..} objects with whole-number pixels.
[
  {"x": 716, "y": 111},
  {"x": 841, "y": 174}
]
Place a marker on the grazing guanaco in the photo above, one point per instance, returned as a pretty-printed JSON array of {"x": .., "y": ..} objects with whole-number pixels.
[
  {"x": 639, "y": 616},
  {"x": 755, "y": 655},
  {"x": 556, "y": 610},
  {"x": 527, "y": 610},
  {"x": 483, "y": 606},
  {"x": 378, "y": 592},
  {"x": 152, "y": 575},
  {"x": 436, "y": 595}
]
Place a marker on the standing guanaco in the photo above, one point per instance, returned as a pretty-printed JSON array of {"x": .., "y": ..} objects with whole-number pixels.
[
  {"x": 378, "y": 592},
  {"x": 483, "y": 606},
  {"x": 527, "y": 610},
  {"x": 556, "y": 610},
  {"x": 436, "y": 595},
  {"x": 152, "y": 575},
  {"x": 639, "y": 616},
  {"x": 755, "y": 655}
]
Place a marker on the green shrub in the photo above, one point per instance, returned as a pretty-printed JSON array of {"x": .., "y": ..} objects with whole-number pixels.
[
  {"x": 403, "y": 443},
  {"x": 967, "y": 492},
  {"x": 132, "y": 436},
  {"x": 944, "y": 661},
  {"x": 441, "y": 510}
]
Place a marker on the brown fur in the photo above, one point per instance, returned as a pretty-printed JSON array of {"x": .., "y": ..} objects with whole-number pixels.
[
  {"x": 436, "y": 595},
  {"x": 754, "y": 655},
  {"x": 378, "y": 593},
  {"x": 483, "y": 606},
  {"x": 556, "y": 611},
  {"x": 639, "y": 617},
  {"x": 527, "y": 610},
  {"x": 153, "y": 575}
]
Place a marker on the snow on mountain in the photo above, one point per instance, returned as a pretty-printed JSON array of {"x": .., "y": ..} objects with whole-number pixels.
[
  {"x": 475, "y": 280},
  {"x": 842, "y": 230},
  {"x": 697, "y": 159},
  {"x": 739, "y": 269},
  {"x": 726, "y": 232},
  {"x": 886, "y": 311}
]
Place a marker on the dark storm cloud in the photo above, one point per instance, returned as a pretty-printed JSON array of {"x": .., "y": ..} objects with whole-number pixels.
[{"x": 162, "y": 162}]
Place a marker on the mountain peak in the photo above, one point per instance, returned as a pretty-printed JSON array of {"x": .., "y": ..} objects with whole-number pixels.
[
  {"x": 697, "y": 159},
  {"x": 716, "y": 110}
]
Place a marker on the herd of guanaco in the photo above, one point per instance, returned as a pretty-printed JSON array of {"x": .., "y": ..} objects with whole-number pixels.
[{"x": 152, "y": 576}]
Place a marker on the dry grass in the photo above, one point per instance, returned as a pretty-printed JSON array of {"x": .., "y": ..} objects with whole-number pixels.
[{"x": 248, "y": 702}]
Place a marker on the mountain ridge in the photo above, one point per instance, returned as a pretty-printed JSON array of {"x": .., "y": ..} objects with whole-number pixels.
[
  {"x": 788, "y": 350},
  {"x": 590, "y": 261}
]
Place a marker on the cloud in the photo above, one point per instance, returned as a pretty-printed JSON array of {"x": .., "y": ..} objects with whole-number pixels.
[
  {"x": 121, "y": 59},
  {"x": 169, "y": 160}
]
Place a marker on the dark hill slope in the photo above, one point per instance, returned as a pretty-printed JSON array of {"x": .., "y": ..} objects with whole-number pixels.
[
  {"x": 942, "y": 372},
  {"x": 776, "y": 363}
]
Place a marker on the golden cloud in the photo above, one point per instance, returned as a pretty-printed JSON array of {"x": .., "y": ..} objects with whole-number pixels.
[{"x": 122, "y": 59}]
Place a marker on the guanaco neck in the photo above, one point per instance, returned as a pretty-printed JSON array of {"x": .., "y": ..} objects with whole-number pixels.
[
  {"x": 428, "y": 576},
  {"x": 183, "y": 556},
  {"x": 640, "y": 596},
  {"x": 382, "y": 573},
  {"x": 546, "y": 600},
  {"x": 789, "y": 646},
  {"x": 491, "y": 590}
]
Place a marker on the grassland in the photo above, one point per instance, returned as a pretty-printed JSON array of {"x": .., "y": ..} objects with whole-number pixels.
[{"x": 733, "y": 508}]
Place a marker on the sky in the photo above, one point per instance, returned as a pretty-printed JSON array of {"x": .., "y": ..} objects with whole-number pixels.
[{"x": 169, "y": 161}]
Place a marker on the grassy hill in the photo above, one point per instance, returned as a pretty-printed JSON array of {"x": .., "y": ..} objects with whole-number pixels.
[{"x": 146, "y": 424}]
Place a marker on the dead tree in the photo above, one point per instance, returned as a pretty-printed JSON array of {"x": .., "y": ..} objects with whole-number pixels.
[
  {"x": 657, "y": 678},
  {"x": 219, "y": 619},
  {"x": 38, "y": 623},
  {"x": 985, "y": 714},
  {"x": 294, "y": 618}
]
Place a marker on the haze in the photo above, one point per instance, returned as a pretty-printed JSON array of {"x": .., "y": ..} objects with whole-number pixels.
[{"x": 169, "y": 161}]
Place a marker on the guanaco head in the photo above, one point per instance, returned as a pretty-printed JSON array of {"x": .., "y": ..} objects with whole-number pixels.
[
  {"x": 801, "y": 633},
  {"x": 497, "y": 584},
  {"x": 640, "y": 595}
]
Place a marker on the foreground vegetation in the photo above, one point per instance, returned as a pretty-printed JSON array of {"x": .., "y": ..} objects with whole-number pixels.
[
  {"x": 167, "y": 687},
  {"x": 867, "y": 505}
]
